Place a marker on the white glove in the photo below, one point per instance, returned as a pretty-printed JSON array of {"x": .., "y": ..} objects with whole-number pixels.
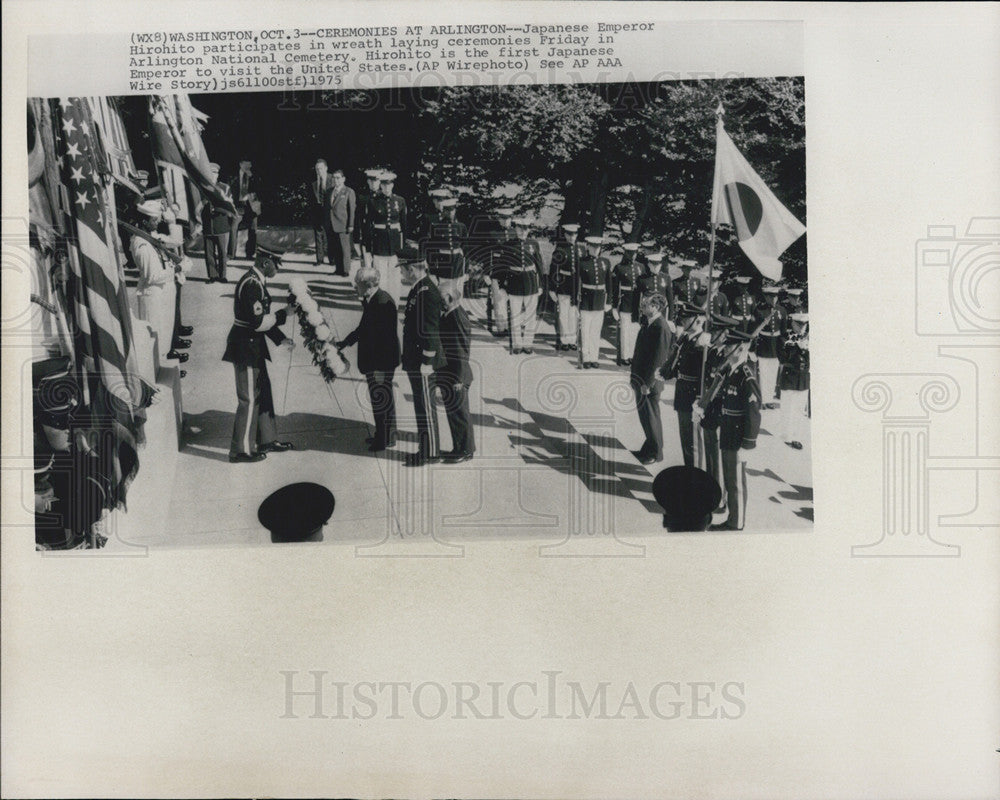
[
  {"x": 615, "y": 314},
  {"x": 697, "y": 413},
  {"x": 426, "y": 369}
]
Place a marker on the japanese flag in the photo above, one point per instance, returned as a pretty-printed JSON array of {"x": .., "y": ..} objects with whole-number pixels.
[{"x": 764, "y": 227}]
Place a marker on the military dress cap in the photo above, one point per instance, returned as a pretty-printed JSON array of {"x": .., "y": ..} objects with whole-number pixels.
[
  {"x": 723, "y": 321},
  {"x": 571, "y": 227},
  {"x": 743, "y": 279},
  {"x": 647, "y": 243},
  {"x": 688, "y": 496},
  {"x": 736, "y": 336},
  {"x": 595, "y": 240},
  {"x": 771, "y": 289},
  {"x": 656, "y": 258},
  {"x": 794, "y": 291},
  {"x": 440, "y": 193},
  {"x": 270, "y": 251},
  {"x": 449, "y": 202},
  {"x": 410, "y": 255},
  {"x": 150, "y": 208},
  {"x": 630, "y": 247},
  {"x": 373, "y": 174},
  {"x": 387, "y": 177},
  {"x": 297, "y": 512}
]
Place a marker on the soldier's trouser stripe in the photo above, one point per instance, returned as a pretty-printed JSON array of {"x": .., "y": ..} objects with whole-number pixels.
[
  {"x": 567, "y": 319},
  {"x": 246, "y": 412},
  {"x": 627, "y": 333},
  {"x": 590, "y": 333},
  {"x": 768, "y": 377}
]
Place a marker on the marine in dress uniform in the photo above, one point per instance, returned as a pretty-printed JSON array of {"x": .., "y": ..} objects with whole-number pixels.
[
  {"x": 774, "y": 319},
  {"x": 254, "y": 431},
  {"x": 685, "y": 365},
  {"x": 422, "y": 355},
  {"x": 437, "y": 196},
  {"x": 363, "y": 220},
  {"x": 592, "y": 282},
  {"x": 646, "y": 246},
  {"x": 455, "y": 377},
  {"x": 743, "y": 304},
  {"x": 687, "y": 286},
  {"x": 523, "y": 268},
  {"x": 735, "y": 392},
  {"x": 655, "y": 281},
  {"x": 652, "y": 348},
  {"x": 378, "y": 354},
  {"x": 498, "y": 309},
  {"x": 624, "y": 290},
  {"x": 566, "y": 258},
  {"x": 156, "y": 288},
  {"x": 793, "y": 380},
  {"x": 388, "y": 229},
  {"x": 445, "y": 248},
  {"x": 319, "y": 194}
]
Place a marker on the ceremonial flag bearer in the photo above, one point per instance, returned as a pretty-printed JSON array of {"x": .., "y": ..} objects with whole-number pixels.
[{"x": 254, "y": 430}]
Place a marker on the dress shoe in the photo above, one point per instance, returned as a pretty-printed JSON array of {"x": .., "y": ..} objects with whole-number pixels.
[
  {"x": 276, "y": 447},
  {"x": 180, "y": 344},
  {"x": 723, "y": 526},
  {"x": 175, "y": 356},
  {"x": 770, "y": 406},
  {"x": 795, "y": 445},
  {"x": 650, "y": 459},
  {"x": 573, "y": 347},
  {"x": 246, "y": 458},
  {"x": 458, "y": 458},
  {"x": 527, "y": 351},
  {"x": 185, "y": 330},
  {"x": 594, "y": 365}
]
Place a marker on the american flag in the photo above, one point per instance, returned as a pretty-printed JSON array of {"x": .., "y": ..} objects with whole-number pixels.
[{"x": 97, "y": 300}]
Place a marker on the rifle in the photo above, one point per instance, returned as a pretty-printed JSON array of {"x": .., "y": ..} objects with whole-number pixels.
[{"x": 161, "y": 248}]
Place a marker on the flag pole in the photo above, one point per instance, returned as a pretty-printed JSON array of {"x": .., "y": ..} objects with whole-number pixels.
[{"x": 719, "y": 113}]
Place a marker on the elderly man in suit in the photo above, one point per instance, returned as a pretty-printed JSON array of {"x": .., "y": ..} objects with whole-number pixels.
[
  {"x": 455, "y": 377},
  {"x": 378, "y": 353},
  {"x": 343, "y": 203},
  {"x": 652, "y": 347},
  {"x": 319, "y": 201}
]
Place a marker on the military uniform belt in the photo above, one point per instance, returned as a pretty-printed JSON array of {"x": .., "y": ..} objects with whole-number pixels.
[
  {"x": 731, "y": 413},
  {"x": 566, "y": 272},
  {"x": 522, "y": 269},
  {"x": 594, "y": 286},
  {"x": 451, "y": 250},
  {"x": 771, "y": 334},
  {"x": 681, "y": 376},
  {"x": 381, "y": 226}
]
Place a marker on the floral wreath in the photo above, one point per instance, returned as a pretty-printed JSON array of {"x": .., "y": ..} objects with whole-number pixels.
[{"x": 316, "y": 332}]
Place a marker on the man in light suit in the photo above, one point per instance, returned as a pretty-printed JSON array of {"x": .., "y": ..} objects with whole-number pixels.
[
  {"x": 319, "y": 201},
  {"x": 342, "y": 205}
]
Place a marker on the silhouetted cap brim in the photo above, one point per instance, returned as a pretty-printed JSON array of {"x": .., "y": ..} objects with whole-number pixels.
[
  {"x": 296, "y": 512},
  {"x": 688, "y": 496}
]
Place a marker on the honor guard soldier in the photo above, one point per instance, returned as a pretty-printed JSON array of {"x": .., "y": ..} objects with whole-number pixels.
[
  {"x": 593, "y": 278},
  {"x": 388, "y": 224},
  {"x": 720, "y": 301},
  {"x": 445, "y": 248},
  {"x": 422, "y": 355},
  {"x": 743, "y": 303},
  {"x": 685, "y": 365},
  {"x": 772, "y": 319},
  {"x": 498, "y": 309},
  {"x": 655, "y": 281},
  {"x": 793, "y": 299},
  {"x": 437, "y": 197},
  {"x": 364, "y": 216},
  {"x": 793, "y": 379},
  {"x": 254, "y": 430},
  {"x": 566, "y": 260},
  {"x": 624, "y": 299},
  {"x": 689, "y": 286},
  {"x": 735, "y": 397},
  {"x": 523, "y": 267}
]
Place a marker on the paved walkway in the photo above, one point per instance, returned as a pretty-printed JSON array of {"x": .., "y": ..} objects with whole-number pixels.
[{"x": 553, "y": 461}]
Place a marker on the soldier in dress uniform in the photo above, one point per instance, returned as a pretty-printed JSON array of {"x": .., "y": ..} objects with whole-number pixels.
[
  {"x": 445, "y": 248},
  {"x": 254, "y": 430},
  {"x": 566, "y": 259},
  {"x": 685, "y": 365},
  {"x": 437, "y": 197},
  {"x": 624, "y": 290},
  {"x": 422, "y": 355},
  {"x": 743, "y": 304},
  {"x": 647, "y": 246},
  {"x": 793, "y": 379},
  {"x": 774, "y": 319},
  {"x": 654, "y": 281},
  {"x": 363, "y": 220},
  {"x": 388, "y": 232},
  {"x": 592, "y": 283},
  {"x": 498, "y": 308},
  {"x": 680, "y": 276},
  {"x": 720, "y": 301},
  {"x": 523, "y": 266},
  {"x": 793, "y": 299}
]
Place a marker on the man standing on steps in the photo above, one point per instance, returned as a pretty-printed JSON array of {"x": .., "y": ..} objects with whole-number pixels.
[
  {"x": 342, "y": 206},
  {"x": 422, "y": 355},
  {"x": 254, "y": 431}
]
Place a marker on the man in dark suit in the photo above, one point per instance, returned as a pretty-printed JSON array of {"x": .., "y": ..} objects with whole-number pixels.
[
  {"x": 247, "y": 202},
  {"x": 378, "y": 354},
  {"x": 215, "y": 225},
  {"x": 319, "y": 194},
  {"x": 254, "y": 431},
  {"x": 455, "y": 377},
  {"x": 652, "y": 346},
  {"x": 422, "y": 355},
  {"x": 342, "y": 204}
]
